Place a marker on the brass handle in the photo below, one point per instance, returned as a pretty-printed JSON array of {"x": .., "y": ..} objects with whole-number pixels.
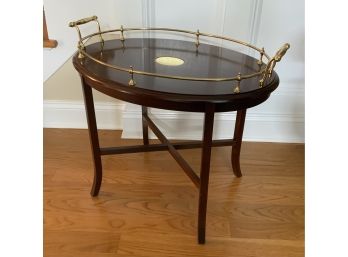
[
  {"x": 281, "y": 52},
  {"x": 75, "y": 24},
  {"x": 82, "y": 21},
  {"x": 271, "y": 64}
]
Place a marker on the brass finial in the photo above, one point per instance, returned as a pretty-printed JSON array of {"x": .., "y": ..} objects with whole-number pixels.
[
  {"x": 197, "y": 39},
  {"x": 122, "y": 36},
  {"x": 237, "y": 88},
  {"x": 131, "y": 81}
]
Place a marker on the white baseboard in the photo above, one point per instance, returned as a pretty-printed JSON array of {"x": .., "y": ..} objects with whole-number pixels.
[
  {"x": 71, "y": 114},
  {"x": 262, "y": 127},
  {"x": 259, "y": 126}
]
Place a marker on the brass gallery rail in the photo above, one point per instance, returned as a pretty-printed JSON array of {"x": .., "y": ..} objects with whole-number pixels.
[{"x": 263, "y": 72}]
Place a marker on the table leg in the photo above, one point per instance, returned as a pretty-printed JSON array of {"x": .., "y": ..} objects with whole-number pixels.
[
  {"x": 205, "y": 169},
  {"x": 145, "y": 127},
  {"x": 93, "y": 136},
  {"x": 238, "y": 134}
]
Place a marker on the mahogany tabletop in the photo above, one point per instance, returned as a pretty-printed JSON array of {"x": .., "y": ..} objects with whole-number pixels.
[{"x": 210, "y": 61}]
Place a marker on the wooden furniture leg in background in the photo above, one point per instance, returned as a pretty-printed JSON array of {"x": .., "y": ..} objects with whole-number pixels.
[
  {"x": 145, "y": 126},
  {"x": 238, "y": 135},
  {"x": 93, "y": 136},
  {"x": 47, "y": 43},
  {"x": 205, "y": 169}
]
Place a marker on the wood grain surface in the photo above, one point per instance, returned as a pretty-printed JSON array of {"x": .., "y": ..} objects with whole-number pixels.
[{"x": 148, "y": 207}]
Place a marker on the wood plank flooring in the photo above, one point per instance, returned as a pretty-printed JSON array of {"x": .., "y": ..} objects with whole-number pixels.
[{"x": 147, "y": 206}]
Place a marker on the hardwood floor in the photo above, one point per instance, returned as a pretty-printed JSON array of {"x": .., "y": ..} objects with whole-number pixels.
[{"x": 147, "y": 206}]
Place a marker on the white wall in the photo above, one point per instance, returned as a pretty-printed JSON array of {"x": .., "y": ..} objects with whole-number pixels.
[{"x": 264, "y": 23}]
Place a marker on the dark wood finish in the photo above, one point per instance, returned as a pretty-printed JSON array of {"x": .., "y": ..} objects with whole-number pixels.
[
  {"x": 145, "y": 127},
  {"x": 193, "y": 96},
  {"x": 176, "y": 155},
  {"x": 238, "y": 135},
  {"x": 205, "y": 168},
  {"x": 93, "y": 136},
  {"x": 174, "y": 94},
  {"x": 162, "y": 147}
]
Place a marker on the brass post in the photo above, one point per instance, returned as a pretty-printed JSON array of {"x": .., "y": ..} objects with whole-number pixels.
[
  {"x": 122, "y": 36},
  {"x": 197, "y": 39},
  {"x": 262, "y": 52},
  {"x": 100, "y": 34},
  {"x": 80, "y": 47}
]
